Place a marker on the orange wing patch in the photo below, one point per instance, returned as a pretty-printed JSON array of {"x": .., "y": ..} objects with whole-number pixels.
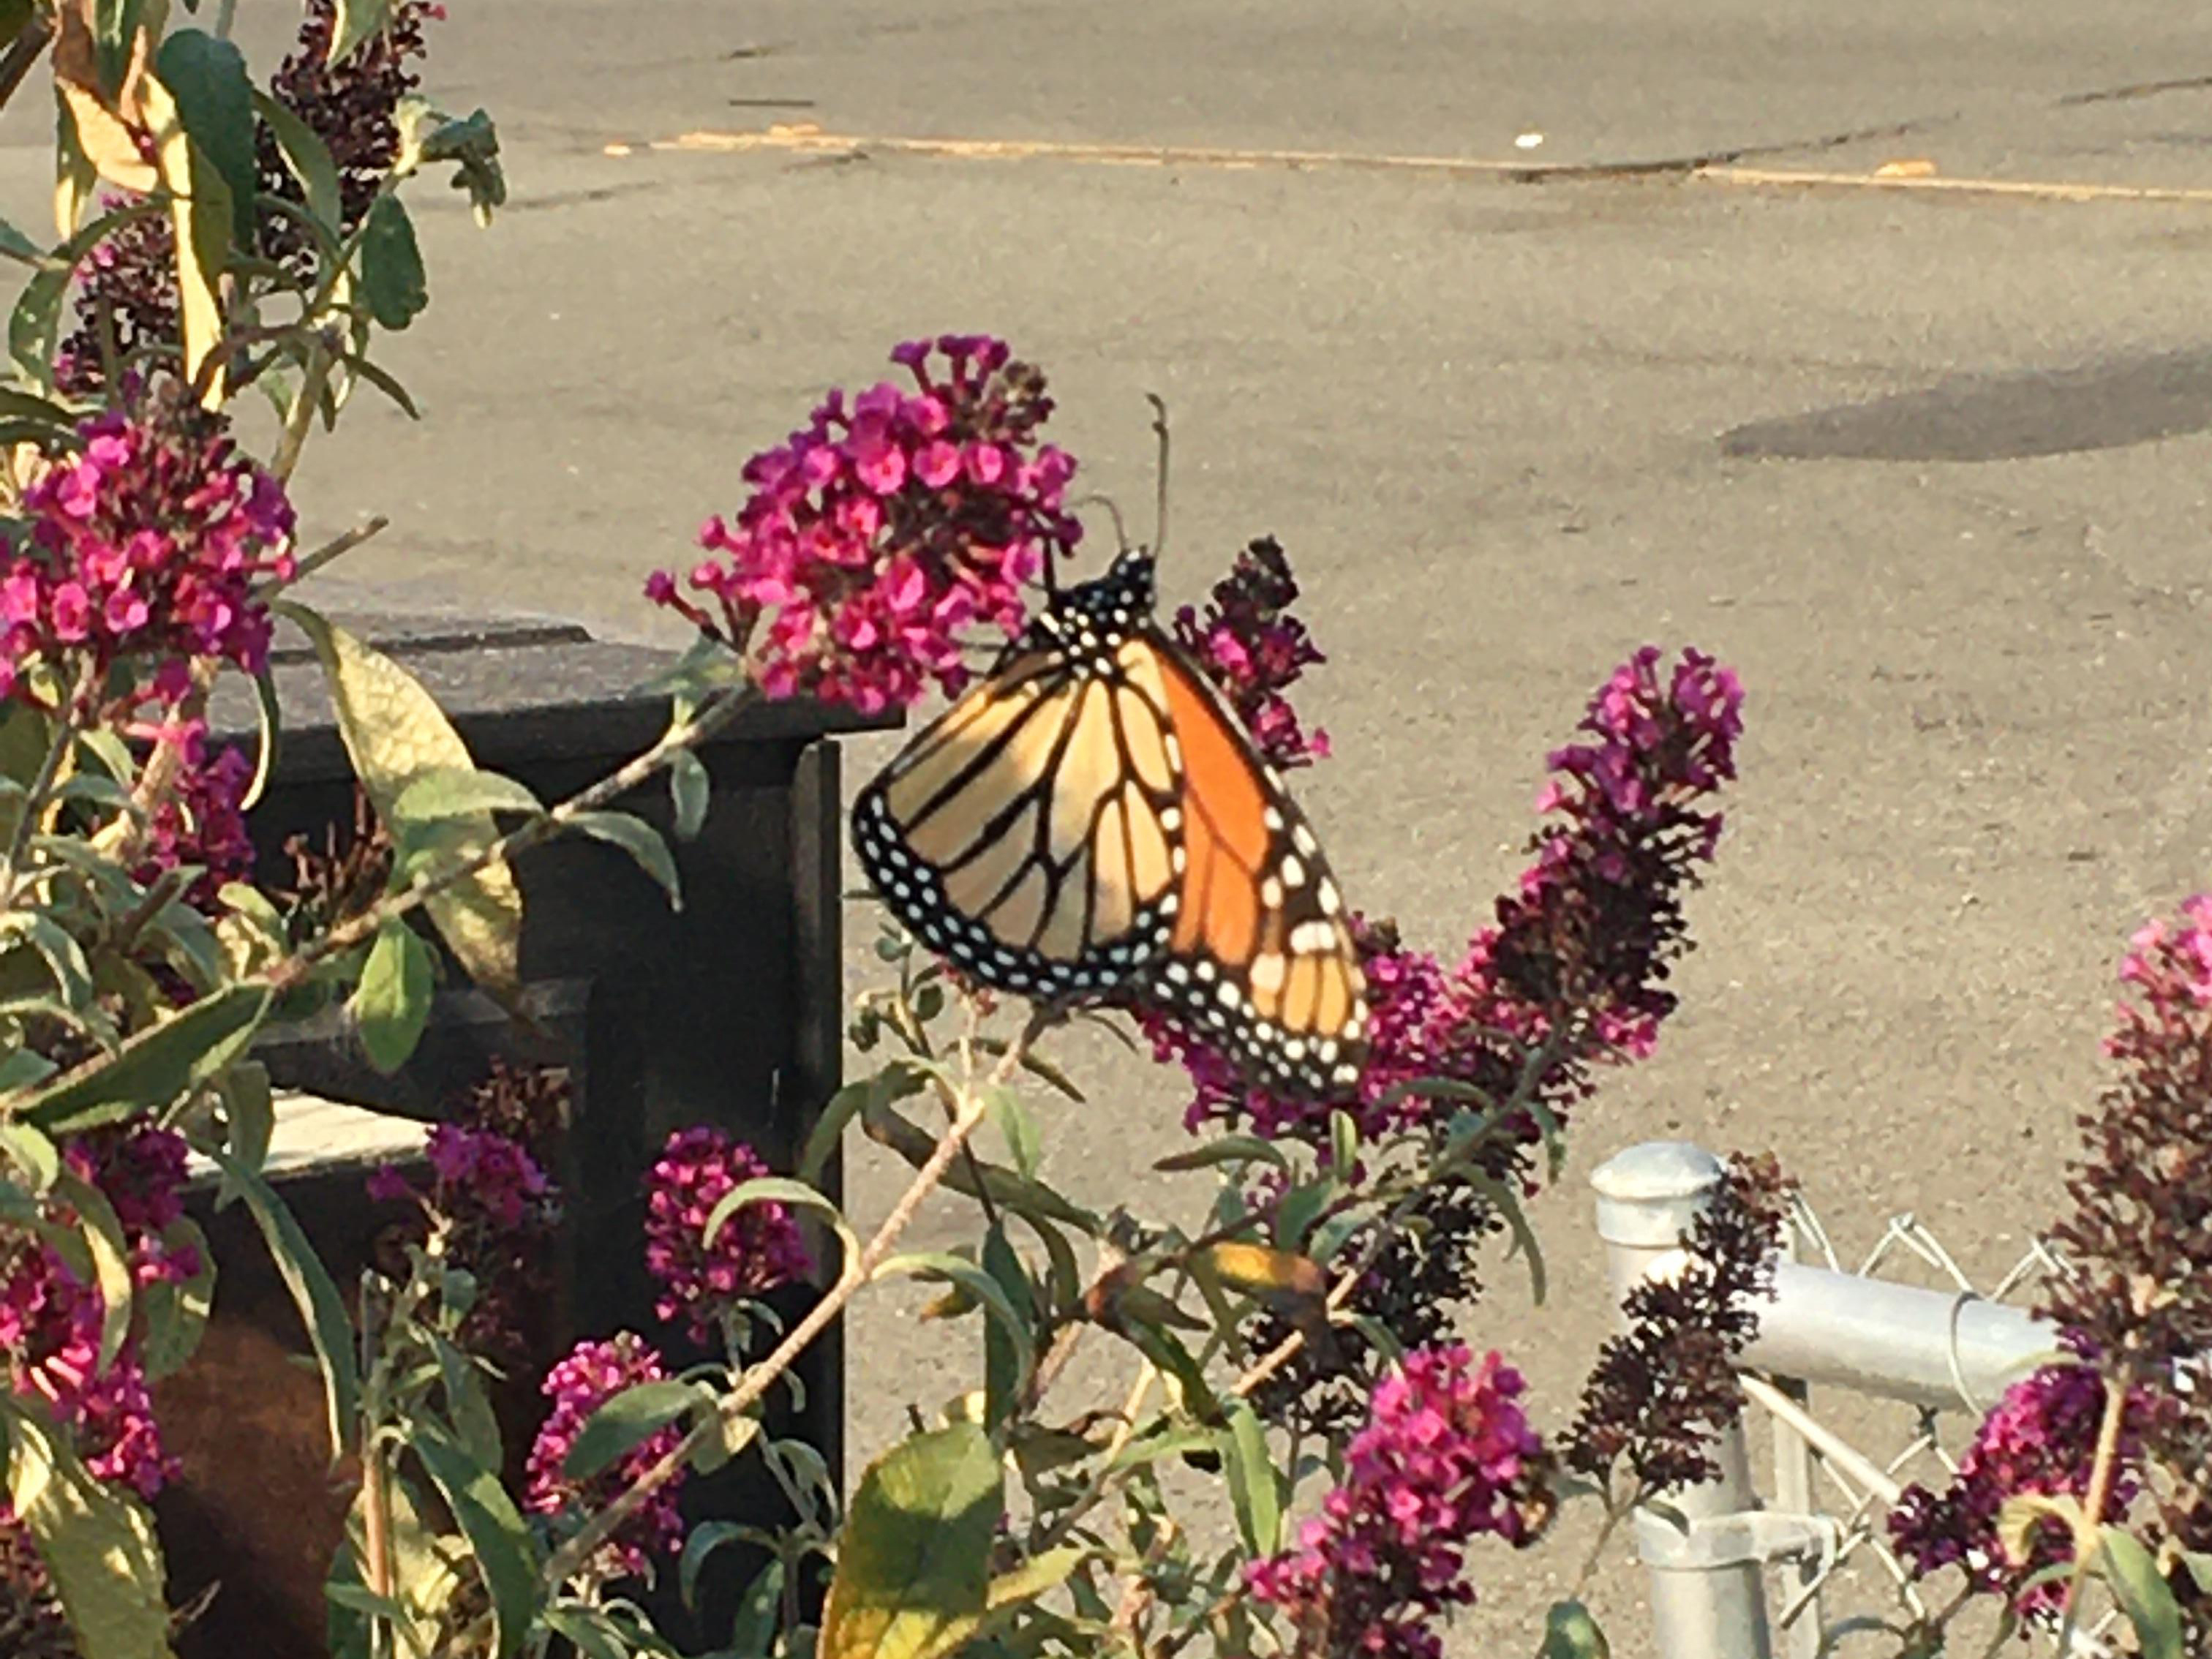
[{"x": 1259, "y": 953}]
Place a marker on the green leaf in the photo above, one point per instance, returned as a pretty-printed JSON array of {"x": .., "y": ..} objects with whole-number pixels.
[
  {"x": 627, "y": 1421},
  {"x": 392, "y": 1004},
  {"x": 96, "y": 1541},
  {"x": 779, "y": 1189},
  {"x": 1570, "y": 1632},
  {"x": 395, "y": 731},
  {"x": 155, "y": 1067},
  {"x": 215, "y": 99},
  {"x": 317, "y": 1298},
  {"x": 249, "y": 1110},
  {"x": 1516, "y": 1221},
  {"x": 33, "y": 1153},
  {"x": 914, "y": 1568},
  {"x": 1255, "y": 1487},
  {"x": 1228, "y": 1149},
  {"x": 690, "y": 787},
  {"x": 355, "y": 21},
  {"x": 895, "y": 1081},
  {"x": 460, "y": 792},
  {"x": 591, "y": 1631},
  {"x": 177, "y": 1313},
  {"x": 1019, "y": 1128},
  {"x": 472, "y": 143},
  {"x": 110, "y": 1260},
  {"x": 640, "y": 841},
  {"x": 2023, "y": 1512},
  {"x": 1343, "y": 1143},
  {"x": 308, "y": 157},
  {"x": 498, "y": 1536},
  {"x": 391, "y": 278},
  {"x": 14, "y": 244},
  {"x": 914, "y": 1144},
  {"x": 760, "y": 1611},
  {"x": 1009, "y": 1346},
  {"x": 984, "y": 1289},
  {"x": 2142, "y": 1593}
]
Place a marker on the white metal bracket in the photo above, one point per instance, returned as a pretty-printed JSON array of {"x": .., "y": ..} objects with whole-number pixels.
[{"x": 1748, "y": 1537}]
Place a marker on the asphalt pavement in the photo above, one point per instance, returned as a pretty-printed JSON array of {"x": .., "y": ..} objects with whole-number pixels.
[{"x": 1867, "y": 347}]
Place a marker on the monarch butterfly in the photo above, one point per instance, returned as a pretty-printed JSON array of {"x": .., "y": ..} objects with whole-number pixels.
[{"x": 1090, "y": 822}]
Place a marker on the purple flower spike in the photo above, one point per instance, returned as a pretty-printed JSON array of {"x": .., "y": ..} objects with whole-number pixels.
[{"x": 758, "y": 1249}]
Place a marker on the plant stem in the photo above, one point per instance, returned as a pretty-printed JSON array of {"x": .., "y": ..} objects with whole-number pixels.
[
  {"x": 34, "y": 801},
  {"x": 336, "y": 548},
  {"x": 2102, "y": 1473},
  {"x": 302, "y": 415},
  {"x": 577, "y": 1552}
]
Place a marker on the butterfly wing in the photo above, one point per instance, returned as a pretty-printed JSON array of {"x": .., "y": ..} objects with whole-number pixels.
[
  {"x": 1260, "y": 959},
  {"x": 1023, "y": 833}
]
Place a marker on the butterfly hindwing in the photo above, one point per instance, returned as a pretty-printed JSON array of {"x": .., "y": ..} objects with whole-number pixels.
[{"x": 1261, "y": 958}]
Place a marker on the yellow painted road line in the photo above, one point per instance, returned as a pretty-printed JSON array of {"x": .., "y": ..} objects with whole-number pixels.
[
  {"x": 806, "y": 140},
  {"x": 2047, "y": 190},
  {"x": 811, "y": 142}
]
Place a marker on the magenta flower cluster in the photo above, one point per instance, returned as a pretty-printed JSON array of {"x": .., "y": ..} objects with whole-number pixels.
[
  {"x": 1447, "y": 1455},
  {"x": 51, "y": 1317},
  {"x": 1579, "y": 951},
  {"x": 758, "y": 1248},
  {"x": 592, "y": 1374},
  {"x": 200, "y": 822},
  {"x": 146, "y": 544},
  {"x": 2041, "y": 1440},
  {"x": 887, "y": 530},
  {"x": 1255, "y": 650},
  {"x": 477, "y": 1174}
]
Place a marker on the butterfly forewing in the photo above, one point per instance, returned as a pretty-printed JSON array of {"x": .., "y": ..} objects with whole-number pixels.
[
  {"x": 1015, "y": 835},
  {"x": 1091, "y": 821}
]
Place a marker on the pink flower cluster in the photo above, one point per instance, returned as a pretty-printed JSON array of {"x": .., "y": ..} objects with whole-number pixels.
[
  {"x": 199, "y": 822},
  {"x": 1447, "y": 1455},
  {"x": 146, "y": 544},
  {"x": 885, "y": 531},
  {"x": 50, "y": 1318},
  {"x": 1255, "y": 650},
  {"x": 2041, "y": 1439},
  {"x": 592, "y": 1374},
  {"x": 2170, "y": 964},
  {"x": 758, "y": 1248},
  {"x": 1580, "y": 949}
]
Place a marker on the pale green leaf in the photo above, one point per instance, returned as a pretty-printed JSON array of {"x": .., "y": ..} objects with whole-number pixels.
[
  {"x": 392, "y": 1004},
  {"x": 628, "y": 1420},
  {"x": 2142, "y": 1593},
  {"x": 913, "y": 1569},
  {"x": 1570, "y": 1632},
  {"x": 153, "y": 1068},
  {"x": 640, "y": 841},
  {"x": 395, "y": 732},
  {"x": 96, "y": 1541},
  {"x": 498, "y": 1536},
  {"x": 321, "y": 1309}
]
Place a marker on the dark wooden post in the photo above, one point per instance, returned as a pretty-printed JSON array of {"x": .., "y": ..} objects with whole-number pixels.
[{"x": 728, "y": 1012}]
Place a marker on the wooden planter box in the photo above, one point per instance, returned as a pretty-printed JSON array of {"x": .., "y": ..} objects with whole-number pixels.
[{"x": 728, "y": 1012}]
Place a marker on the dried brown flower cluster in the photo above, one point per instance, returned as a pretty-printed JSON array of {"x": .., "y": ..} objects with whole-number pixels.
[{"x": 1662, "y": 1389}]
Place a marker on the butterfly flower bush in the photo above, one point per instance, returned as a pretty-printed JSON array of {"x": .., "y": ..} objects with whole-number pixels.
[{"x": 1297, "y": 1319}]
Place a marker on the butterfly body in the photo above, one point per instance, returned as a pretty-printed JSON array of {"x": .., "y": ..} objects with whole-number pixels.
[{"x": 1089, "y": 822}]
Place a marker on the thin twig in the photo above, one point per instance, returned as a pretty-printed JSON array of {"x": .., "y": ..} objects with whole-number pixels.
[
  {"x": 337, "y": 547},
  {"x": 578, "y": 1550},
  {"x": 320, "y": 360},
  {"x": 2102, "y": 1473}
]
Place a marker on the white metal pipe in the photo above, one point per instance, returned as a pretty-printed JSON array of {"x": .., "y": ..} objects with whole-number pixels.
[
  {"x": 1894, "y": 1341},
  {"x": 1647, "y": 1197}
]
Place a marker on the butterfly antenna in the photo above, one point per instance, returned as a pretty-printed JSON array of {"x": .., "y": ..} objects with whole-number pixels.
[
  {"x": 1160, "y": 507},
  {"x": 1120, "y": 531}
]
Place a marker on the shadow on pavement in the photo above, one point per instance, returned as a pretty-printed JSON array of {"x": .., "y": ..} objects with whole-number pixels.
[{"x": 1999, "y": 417}]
